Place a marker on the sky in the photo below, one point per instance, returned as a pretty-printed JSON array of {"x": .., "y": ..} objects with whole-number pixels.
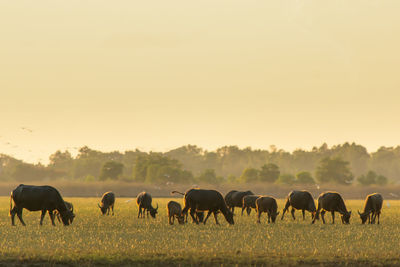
[{"x": 156, "y": 75}]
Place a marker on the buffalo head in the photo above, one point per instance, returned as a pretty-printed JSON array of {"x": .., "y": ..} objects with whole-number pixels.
[
  {"x": 346, "y": 217},
  {"x": 153, "y": 212},
  {"x": 364, "y": 216},
  {"x": 273, "y": 216}
]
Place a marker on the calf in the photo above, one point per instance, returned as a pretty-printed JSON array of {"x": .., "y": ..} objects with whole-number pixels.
[
  {"x": 332, "y": 201},
  {"x": 70, "y": 207},
  {"x": 372, "y": 208},
  {"x": 301, "y": 200},
  {"x": 268, "y": 205},
  {"x": 174, "y": 210},
  {"x": 107, "y": 203},
  {"x": 249, "y": 202}
]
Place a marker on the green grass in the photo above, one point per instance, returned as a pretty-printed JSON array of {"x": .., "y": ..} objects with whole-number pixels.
[{"x": 123, "y": 239}]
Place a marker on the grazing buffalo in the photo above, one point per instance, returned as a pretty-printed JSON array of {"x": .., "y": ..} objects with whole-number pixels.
[
  {"x": 202, "y": 200},
  {"x": 174, "y": 210},
  {"x": 300, "y": 200},
  {"x": 70, "y": 207},
  {"x": 235, "y": 199},
  {"x": 34, "y": 198},
  {"x": 268, "y": 205},
  {"x": 199, "y": 215},
  {"x": 332, "y": 201},
  {"x": 372, "y": 208},
  {"x": 249, "y": 202},
  {"x": 143, "y": 201},
  {"x": 107, "y": 203}
]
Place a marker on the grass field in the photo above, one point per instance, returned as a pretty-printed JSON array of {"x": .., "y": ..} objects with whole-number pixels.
[{"x": 123, "y": 239}]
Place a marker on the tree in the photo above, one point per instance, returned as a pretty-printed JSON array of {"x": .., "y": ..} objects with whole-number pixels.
[
  {"x": 208, "y": 176},
  {"x": 334, "y": 170},
  {"x": 249, "y": 175},
  {"x": 304, "y": 178},
  {"x": 286, "y": 179},
  {"x": 111, "y": 170},
  {"x": 372, "y": 178},
  {"x": 269, "y": 173}
]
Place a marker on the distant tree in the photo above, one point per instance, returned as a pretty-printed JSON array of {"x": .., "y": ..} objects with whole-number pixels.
[
  {"x": 249, "y": 175},
  {"x": 208, "y": 176},
  {"x": 286, "y": 179},
  {"x": 334, "y": 170},
  {"x": 381, "y": 180},
  {"x": 111, "y": 170},
  {"x": 269, "y": 173},
  {"x": 304, "y": 178},
  {"x": 372, "y": 178}
]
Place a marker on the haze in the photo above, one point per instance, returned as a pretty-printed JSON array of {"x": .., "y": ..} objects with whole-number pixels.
[{"x": 155, "y": 75}]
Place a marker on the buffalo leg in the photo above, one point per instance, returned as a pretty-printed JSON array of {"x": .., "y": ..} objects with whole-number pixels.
[
  {"x": 269, "y": 217},
  {"x": 248, "y": 209},
  {"x": 333, "y": 217},
  {"x": 243, "y": 208},
  {"x": 379, "y": 214},
  {"x": 292, "y": 212},
  {"x": 12, "y": 213},
  {"x": 233, "y": 209},
  {"x": 215, "y": 217},
  {"x": 304, "y": 214},
  {"x": 287, "y": 205},
  {"x": 192, "y": 213},
  {"x": 42, "y": 216},
  {"x": 208, "y": 215},
  {"x": 140, "y": 212},
  {"x": 19, "y": 214},
  {"x": 112, "y": 208},
  {"x": 51, "y": 215},
  {"x": 323, "y": 216},
  {"x": 259, "y": 216}
]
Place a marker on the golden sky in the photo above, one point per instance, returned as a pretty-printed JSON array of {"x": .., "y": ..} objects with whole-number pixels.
[{"x": 155, "y": 75}]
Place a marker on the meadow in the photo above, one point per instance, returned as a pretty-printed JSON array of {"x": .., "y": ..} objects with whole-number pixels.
[{"x": 124, "y": 239}]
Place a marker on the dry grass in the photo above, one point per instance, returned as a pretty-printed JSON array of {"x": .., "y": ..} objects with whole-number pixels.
[{"x": 124, "y": 239}]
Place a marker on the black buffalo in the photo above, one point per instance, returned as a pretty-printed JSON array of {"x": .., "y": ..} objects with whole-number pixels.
[
  {"x": 300, "y": 200},
  {"x": 70, "y": 207},
  {"x": 268, "y": 205},
  {"x": 372, "y": 208},
  {"x": 107, "y": 203},
  {"x": 332, "y": 201},
  {"x": 206, "y": 200},
  {"x": 235, "y": 199},
  {"x": 143, "y": 201},
  {"x": 249, "y": 202},
  {"x": 34, "y": 198}
]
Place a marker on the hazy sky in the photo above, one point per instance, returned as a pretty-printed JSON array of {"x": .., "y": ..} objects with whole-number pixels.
[{"x": 155, "y": 75}]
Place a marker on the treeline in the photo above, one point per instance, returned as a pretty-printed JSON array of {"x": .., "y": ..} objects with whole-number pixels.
[{"x": 343, "y": 164}]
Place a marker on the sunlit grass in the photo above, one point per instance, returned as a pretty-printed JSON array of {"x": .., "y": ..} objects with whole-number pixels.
[{"x": 95, "y": 238}]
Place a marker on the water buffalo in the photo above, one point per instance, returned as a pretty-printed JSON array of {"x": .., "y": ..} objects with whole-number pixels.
[
  {"x": 235, "y": 199},
  {"x": 332, "y": 201},
  {"x": 174, "y": 210},
  {"x": 34, "y": 198},
  {"x": 107, "y": 203},
  {"x": 206, "y": 200},
  {"x": 249, "y": 202},
  {"x": 268, "y": 205},
  {"x": 300, "y": 200},
  {"x": 143, "y": 201},
  {"x": 199, "y": 215},
  {"x": 70, "y": 207},
  {"x": 372, "y": 208}
]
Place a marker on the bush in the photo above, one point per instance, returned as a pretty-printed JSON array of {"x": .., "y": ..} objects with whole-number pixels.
[
  {"x": 286, "y": 179},
  {"x": 304, "y": 178}
]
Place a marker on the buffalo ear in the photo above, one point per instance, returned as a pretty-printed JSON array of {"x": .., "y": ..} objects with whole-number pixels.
[
  {"x": 157, "y": 207},
  {"x": 98, "y": 205},
  {"x": 277, "y": 213},
  {"x": 349, "y": 212},
  {"x": 359, "y": 212}
]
